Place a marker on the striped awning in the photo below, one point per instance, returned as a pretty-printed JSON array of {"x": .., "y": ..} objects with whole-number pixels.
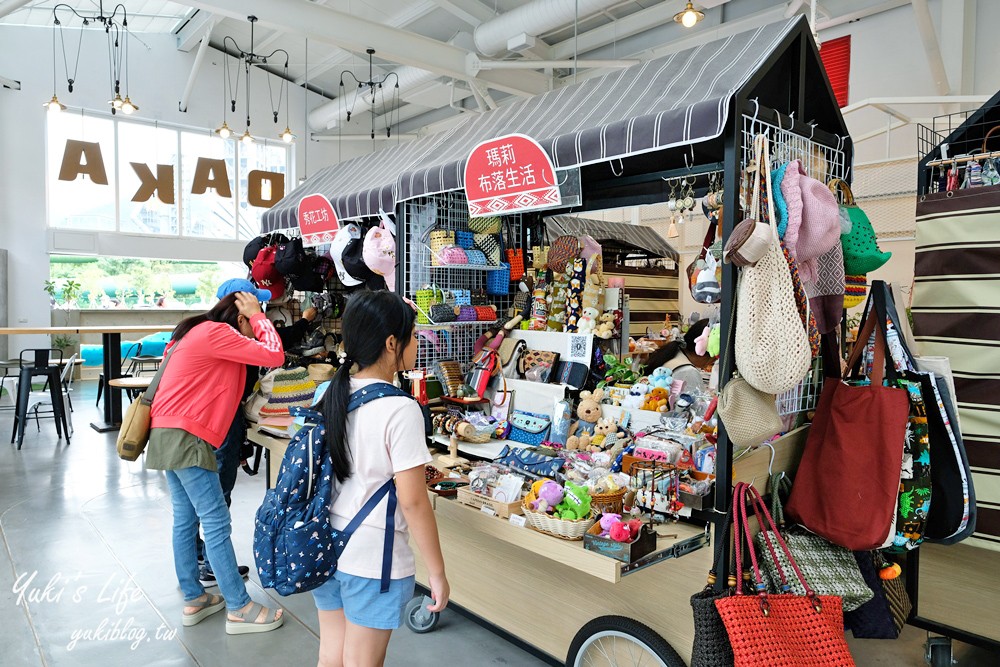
[
  {"x": 679, "y": 99},
  {"x": 644, "y": 239}
]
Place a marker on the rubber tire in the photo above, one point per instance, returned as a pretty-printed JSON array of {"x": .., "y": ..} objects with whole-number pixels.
[
  {"x": 641, "y": 632},
  {"x": 941, "y": 655},
  {"x": 418, "y": 619}
]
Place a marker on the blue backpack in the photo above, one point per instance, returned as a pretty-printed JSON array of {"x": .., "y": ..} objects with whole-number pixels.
[{"x": 295, "y": 547}]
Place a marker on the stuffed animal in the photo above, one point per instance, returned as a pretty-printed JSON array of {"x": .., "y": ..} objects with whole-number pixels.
[
  {"x": 588, "y": 321},
  {"x": 657, "y": 400},
  {"x": 620, "y": 533},
  {"x": 609, "y": 519},
  {"x": 661, "y": 377},
  {"x": 588, "y": 411},
  {"x": 605, "y": 326},
  {"x": 636, "y": 396},
  {"x": 706, "y": 286},
  {"x": 602, "y": 430},
  {"x": 575, "y": 503},
  {"x": 593, "y": 290},
  {"x": 556, "y": 300},
  {"x": 634, "y": 526},
  {"x": 550, "y": 494}
]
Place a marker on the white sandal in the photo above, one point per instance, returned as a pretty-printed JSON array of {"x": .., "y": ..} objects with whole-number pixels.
[
  {"x": 249, "y": 623},
  {"x": 210, "y": 605}
]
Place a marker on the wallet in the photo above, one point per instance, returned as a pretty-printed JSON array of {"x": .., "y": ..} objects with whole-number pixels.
[
  {"x": 532, "y": 358},
  {"x": 571, "y": 373},
  {"x": 519, "y": 458}
]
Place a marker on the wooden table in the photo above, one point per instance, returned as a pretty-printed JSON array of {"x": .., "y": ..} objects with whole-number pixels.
[
  {"x": 272, "y": 447},
  {"x": 111, "y": 339},
  {"x": 131, "y": 385}
]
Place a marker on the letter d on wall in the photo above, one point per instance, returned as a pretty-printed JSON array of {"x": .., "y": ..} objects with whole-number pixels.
[{"x": 255, "y": 188}]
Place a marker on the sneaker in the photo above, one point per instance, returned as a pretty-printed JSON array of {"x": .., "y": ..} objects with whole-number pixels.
[{"x": 207, "y": 577}]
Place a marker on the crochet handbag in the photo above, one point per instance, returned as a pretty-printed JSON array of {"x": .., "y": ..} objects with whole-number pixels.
[
  {"x": 489, "y": 245},
  {"x": 464, "y": 239},
  {"x": 830, "y": 569},
  {"x": 424, "y": 298},
  {"x": 772, "y": 348},
  {"x": 498, "y": 281},
  {"x": 515, "y": 258},
  {"x": 884, "y": 616},
  {"x": 786, "y": 630},
  {"x": 861, "y": 251},
  {"x": 438, "y": 240}
]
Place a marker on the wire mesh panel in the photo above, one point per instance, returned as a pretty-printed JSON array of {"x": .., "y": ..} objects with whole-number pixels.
[
  {"x": 430, "y": 225},
  {"x": 822, "y": 163}
]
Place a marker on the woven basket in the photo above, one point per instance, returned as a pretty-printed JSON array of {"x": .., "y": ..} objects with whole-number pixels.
[
  {"x": 607, "y": 502},
  {"x": 562, "y": 528},
  {"x": 440, "y": 239}
]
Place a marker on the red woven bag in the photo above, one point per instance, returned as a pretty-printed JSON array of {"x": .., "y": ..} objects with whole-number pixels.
[
  {"x": 515, "y": 257},
  {"x": 784, "y": 630},
  {"x": 485, "y": 313}
]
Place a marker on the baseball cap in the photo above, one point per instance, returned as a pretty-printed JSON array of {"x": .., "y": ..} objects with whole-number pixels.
[
  {"x": 265, "y": 274},
  {"x": 340, "y": 242},
  {"x": 234, "y": 285},
  {"x": 379, "y": 254}
]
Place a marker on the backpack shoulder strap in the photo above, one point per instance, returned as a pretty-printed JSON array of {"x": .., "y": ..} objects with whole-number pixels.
[{"x": 373, "y": 392}]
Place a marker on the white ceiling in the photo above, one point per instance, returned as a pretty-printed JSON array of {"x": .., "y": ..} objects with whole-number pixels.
[{"x": 418, "y": 35}]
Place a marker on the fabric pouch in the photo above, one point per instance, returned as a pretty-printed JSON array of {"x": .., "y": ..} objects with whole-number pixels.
[
  {"x": 529, "y": 428},
  {"x": 520, "y": 458}
]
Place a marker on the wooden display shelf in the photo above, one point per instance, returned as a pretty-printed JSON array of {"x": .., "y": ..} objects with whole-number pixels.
[{"x": 568, "y": 553}]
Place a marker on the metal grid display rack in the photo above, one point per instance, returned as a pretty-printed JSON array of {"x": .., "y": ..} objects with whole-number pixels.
[{"x": 449, "y": 212}]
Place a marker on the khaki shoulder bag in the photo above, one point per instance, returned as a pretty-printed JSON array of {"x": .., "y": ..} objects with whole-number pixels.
[{"x": 134, "y": 432}]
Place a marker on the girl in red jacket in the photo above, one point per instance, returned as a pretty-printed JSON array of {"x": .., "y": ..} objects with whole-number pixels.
[{"x": 198, "y": 395}]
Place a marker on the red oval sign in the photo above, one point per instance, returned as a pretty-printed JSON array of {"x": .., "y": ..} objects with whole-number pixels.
[
  {"x": 510, "y": 174},
  {"x": 317, "y": 220}
]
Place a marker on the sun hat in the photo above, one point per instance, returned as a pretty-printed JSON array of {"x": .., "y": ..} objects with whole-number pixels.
[
  {"x": 379, "y": 254},
  {"x": 234, "y": 285},
  {"x": 320, "y": 373},
  {"x": 292, "y": 388},
  {"x": 265, "y": 275},
  {"x": 340, "y": 242}
]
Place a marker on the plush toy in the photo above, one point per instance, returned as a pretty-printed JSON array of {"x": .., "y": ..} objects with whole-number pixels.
[
  {"x": 593, "y": 290},
  {"x": 602, "y": 430},
  {"x": 575, "y": 503},
  {"x": 636, "y": 396},
  {"x": 620, "y": 533},
  {"x": 706, "y": 286},
  {"x": 588, "y": 321},
  {"x": 634, "y": 526},
  {"x": 701, "y": 342},
  {"x": 714, "y": 341},
  {"x": 589, "y": 411},
  {"x": 574, "y": 298},
  {"x": 606, "y": 326},
  {"x": 556, "y": 300},
  {"x": 607, "y": 520},
  {"x": 661, "y": 377},
  {"x": 657, "y": 400},
  {"x": 550, "y": 494}
]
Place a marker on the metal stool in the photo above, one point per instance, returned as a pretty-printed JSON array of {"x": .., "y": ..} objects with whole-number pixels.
[{"x": 39, "y": 366}]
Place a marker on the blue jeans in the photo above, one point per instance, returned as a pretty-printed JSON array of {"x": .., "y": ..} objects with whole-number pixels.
[
  {"x": 196, "y": 496},
  {"x": 227, "y": 459}
]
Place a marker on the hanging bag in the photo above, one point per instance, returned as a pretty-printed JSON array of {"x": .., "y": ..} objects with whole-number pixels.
[
  {"x": 847, "y": 484},
  {"x": 884, "y": 616},
  {"x": 861, "y": 252},
  {"x": 772, "y": 348},
  {"x": 564, "y": 250},
  {"x": 696, "y": 269},
  {"x": 786, "y": 630},
  {"x": 137, "y": 420}
]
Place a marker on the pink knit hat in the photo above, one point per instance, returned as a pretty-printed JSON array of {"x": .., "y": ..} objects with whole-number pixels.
[{"x": 813, "y": 218}]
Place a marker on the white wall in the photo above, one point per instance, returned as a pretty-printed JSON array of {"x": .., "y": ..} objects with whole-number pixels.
[{"x": 157, "y": 77}]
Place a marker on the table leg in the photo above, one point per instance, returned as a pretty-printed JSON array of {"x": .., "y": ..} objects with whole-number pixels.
[
  {"x": 21, "y": 416},
  {"x": 112, "y": 343},
  {"x": 58, "y": 406}
]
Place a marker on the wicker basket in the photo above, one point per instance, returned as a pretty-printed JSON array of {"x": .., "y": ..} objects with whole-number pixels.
[
  {"x": 546, "y": 523},
  {"x": 607, "y": 502},
  {"x": 439, "y": 239}
]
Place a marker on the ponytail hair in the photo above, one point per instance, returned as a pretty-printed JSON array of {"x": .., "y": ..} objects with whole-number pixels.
[
  {"x": 369, "y": 319},
  {"x": 670, "y": 350}
]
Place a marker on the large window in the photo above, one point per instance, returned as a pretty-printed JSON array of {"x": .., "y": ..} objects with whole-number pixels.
[{"x": 112, "y": 174}]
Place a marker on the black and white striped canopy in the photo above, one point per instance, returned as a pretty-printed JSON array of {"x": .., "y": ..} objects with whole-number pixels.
[
  {"x": 625, "y": 235},
  {"x": 679, "y": 99}
]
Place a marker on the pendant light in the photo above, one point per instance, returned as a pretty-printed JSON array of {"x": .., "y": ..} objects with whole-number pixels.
[{"x": 689, "y": 16}]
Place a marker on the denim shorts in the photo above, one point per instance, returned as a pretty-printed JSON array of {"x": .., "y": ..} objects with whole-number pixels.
[{"x": 362, "y": 601}]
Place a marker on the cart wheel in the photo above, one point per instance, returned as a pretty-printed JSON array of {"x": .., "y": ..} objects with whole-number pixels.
[
  {"x": 939, "y": 652},
  {"x": 616, "y": 641},
  {"x": 418, "y": 618}
]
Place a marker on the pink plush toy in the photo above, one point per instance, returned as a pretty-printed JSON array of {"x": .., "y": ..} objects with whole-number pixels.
[
  {"x": 549, "y": 495},
  {"x": 607, "y": 520},
  {"x": 620, "y": 532}
]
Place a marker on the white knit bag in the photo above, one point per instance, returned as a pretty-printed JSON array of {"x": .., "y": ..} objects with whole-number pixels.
[{"x": 771, "y": 346}]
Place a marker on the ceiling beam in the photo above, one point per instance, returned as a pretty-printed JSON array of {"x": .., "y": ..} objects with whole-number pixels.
[
  {"x": 641, "y": 21},
  {"x": 472, "y": 12},
  {"x": 191, "y": 32},
  {"x": 925, "y": 26},
  {"x": 861, "y": 14},
  {"x": 330, "y": 26},
  {"x": 11, "y": 6}
]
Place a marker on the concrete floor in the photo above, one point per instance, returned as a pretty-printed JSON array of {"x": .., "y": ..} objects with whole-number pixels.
[{"x": 86, "y": 573}]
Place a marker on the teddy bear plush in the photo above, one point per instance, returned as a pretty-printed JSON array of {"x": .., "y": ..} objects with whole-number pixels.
[
  {"x": 588, "y": 321},
  {"x": 589, "y": 411},
  {"x": 605, "y": 326},
  {"x": 550, "y": 494},
  {"x": 657, "y": 400},
  {"x": 636, "y": 396},
  {"x": 602, "y": 430},
  {"x": 661, "y": 377},
  {"x": 575, "y": 504}
]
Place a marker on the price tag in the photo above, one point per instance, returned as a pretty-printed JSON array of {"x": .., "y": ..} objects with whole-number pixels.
[
  {"x": 518, "y": 520},
  {"x": 486, "y": 509}
]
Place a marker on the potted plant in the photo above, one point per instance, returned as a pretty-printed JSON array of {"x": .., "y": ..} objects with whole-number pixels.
[
  {"x": 619, "y": 372},
  {"x": 69, "y": 292}
]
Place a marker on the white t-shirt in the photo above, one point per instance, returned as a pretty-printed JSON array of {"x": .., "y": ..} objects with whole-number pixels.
[{"x": 385, "y": 437}]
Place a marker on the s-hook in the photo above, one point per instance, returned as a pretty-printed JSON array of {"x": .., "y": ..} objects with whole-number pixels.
[{"x": 621, "y": 167}]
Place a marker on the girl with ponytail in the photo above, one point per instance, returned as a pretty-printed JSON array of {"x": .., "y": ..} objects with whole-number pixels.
[{"x": 380, "y": 440}]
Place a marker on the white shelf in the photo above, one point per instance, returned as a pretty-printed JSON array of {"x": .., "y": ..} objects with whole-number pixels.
[{"x": 466, "y": 267}]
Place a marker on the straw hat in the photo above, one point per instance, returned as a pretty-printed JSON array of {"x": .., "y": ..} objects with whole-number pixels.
[
  {"x": 292, "y": 388},
  {"x": 321, "y": 372}
]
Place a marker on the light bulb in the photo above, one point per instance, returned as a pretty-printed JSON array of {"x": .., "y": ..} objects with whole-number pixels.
[
  {"x": 689, "y": 19},
  {"x": 287, "y": 136},
  {"x": 117, "y": 102},
  {"x": 246, "y": 137},
  {"x": 54, "y": 105},
  {"x": 689, "y": 16},
  {"x": 224, "y": 131},
  {"x": 128, "y": 107}
]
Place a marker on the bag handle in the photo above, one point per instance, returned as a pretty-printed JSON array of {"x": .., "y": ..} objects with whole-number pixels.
[
  {"x": 880, "y": 368},
  {"x": 763, "y": 150},
  {"x": 840, "y": 186},
  {"x": 147, "y": 396},
  {"x": 885, "y": 301},
  {"x": 988, "y": 135}
]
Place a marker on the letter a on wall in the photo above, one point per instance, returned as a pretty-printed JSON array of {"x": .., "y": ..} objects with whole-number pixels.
[
  {"x": 255, "y": 188},
  {"x": 162, "y": 185},
  {"x": 73, "y": 163},
  {"x": 209, "y": 173}
]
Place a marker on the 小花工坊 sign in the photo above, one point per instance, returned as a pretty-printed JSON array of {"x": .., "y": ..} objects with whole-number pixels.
[
  {"x": 510, "y": 174},
  {"x": 317, "y": 220}
]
